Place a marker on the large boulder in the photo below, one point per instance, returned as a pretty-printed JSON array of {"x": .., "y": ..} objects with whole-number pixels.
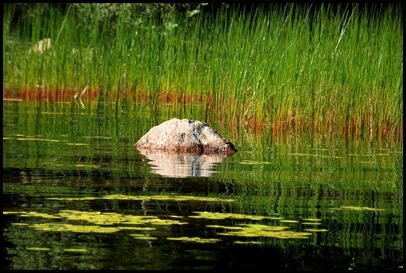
[{"x": 185, "y": 136}]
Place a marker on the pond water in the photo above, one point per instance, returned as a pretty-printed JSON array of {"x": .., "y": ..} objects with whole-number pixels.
[{"x": 78, "y": 195}]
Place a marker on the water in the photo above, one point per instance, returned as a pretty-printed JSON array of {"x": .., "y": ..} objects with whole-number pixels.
[{"x": 78, "y": 195}]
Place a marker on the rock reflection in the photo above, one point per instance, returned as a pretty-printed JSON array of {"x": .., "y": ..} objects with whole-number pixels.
[{"x": 172, "y": 164}]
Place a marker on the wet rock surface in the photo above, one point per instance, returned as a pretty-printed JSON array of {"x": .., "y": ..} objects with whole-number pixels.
[{"x": 185, "y": 136}]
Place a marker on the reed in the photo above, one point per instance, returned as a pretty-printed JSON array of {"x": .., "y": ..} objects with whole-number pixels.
[{"x": 287, "y": 68}]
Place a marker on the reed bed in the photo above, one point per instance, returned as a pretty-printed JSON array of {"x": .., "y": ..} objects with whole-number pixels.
[{"x": 286, "y": 68}]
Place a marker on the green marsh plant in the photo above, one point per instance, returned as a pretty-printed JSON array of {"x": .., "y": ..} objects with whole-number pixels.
[{"x": 286, "y": 68}]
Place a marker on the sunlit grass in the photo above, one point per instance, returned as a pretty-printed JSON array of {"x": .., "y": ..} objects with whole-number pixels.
[{"x": 285, "y": 69}]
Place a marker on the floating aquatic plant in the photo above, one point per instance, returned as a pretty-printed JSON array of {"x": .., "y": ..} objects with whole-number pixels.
[
  {"x": 74, "y": 228},
  {"x": 315, "y": 230},
  {"x": 310, "y": 223},
  {"x": 75, "y": 249},
  {"x": 146, "y": 197},
  {"x": 38, "y": 248},
  {"x": 142, "y": 237},
  {"x": 358, "y": 208},
  {"x": 194, "y": 239},
  {"x": 107, "y": 222},
  {"x": 288, "y": 221},
  {"x": 248, "y": 242},
  {"x": 258, "y": 230},
  {"x": 221, "y": 215},
  {"x": 311, "y": 219}
]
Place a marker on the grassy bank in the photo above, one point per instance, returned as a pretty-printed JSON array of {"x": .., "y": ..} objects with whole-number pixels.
[{"x": 286, "y": 68}]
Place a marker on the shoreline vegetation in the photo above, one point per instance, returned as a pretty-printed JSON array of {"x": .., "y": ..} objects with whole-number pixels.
[{"x": 287, "y": 68}]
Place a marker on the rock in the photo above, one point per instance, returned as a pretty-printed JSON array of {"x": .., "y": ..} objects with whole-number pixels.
[
  {"x": 185, "y": 136},
  {"x": 41, "y": 46}
]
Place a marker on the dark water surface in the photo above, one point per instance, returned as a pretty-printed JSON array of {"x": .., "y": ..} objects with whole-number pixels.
[{"x": 77, "y": 195}]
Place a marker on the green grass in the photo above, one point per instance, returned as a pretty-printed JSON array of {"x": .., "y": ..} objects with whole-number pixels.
[{"x": 285, "y": 69}]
